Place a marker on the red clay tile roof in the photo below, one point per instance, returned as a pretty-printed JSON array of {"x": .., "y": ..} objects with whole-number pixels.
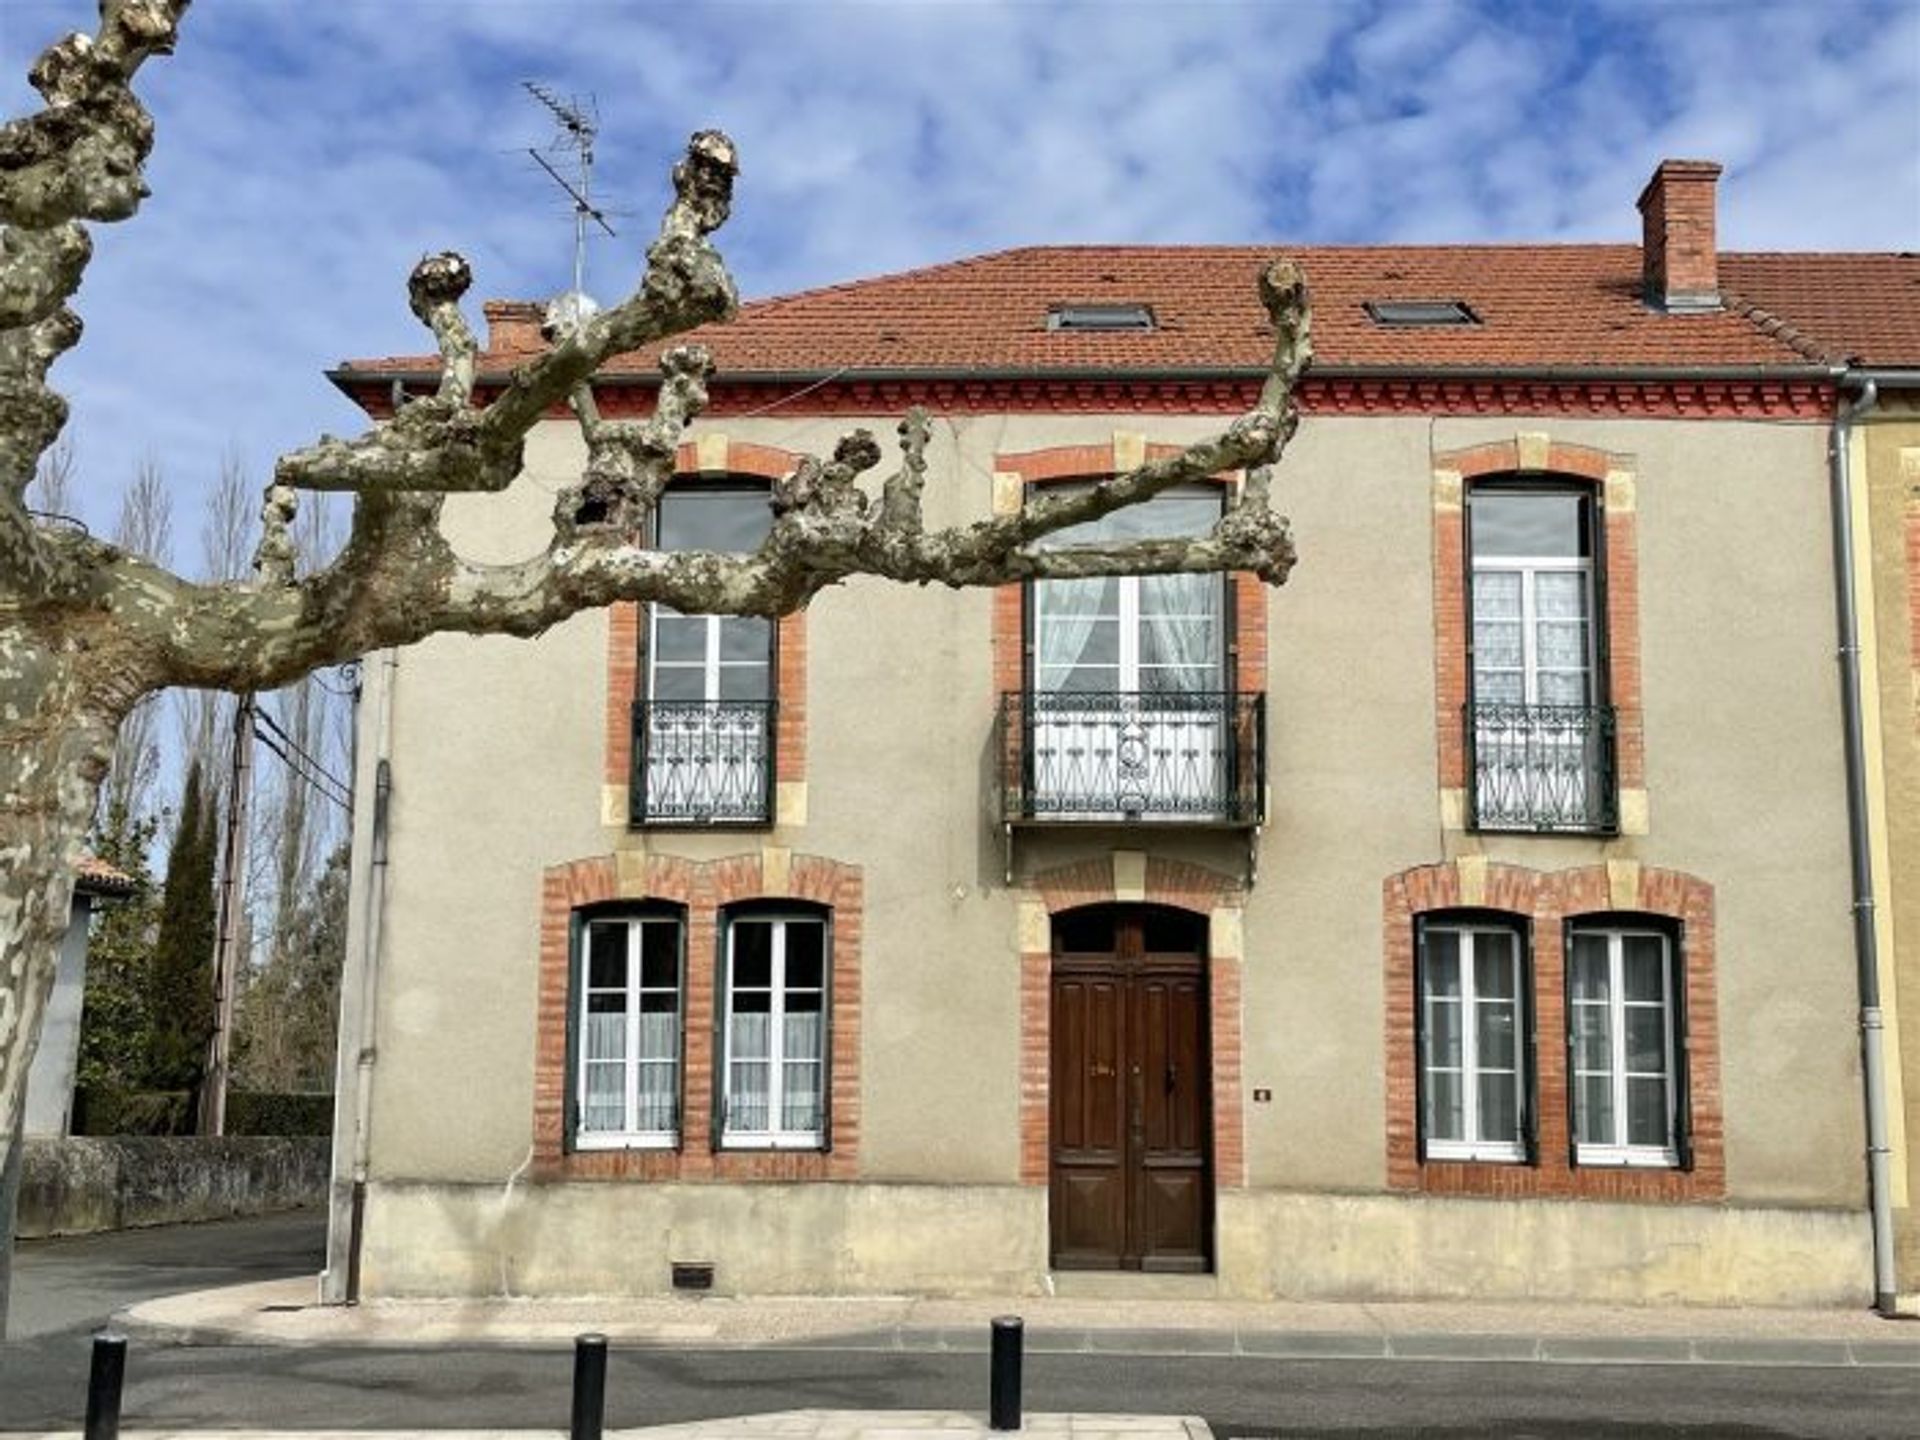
[
  {"x": 1864, "y": 308},
  {"x": 98, "y": 877},
  {"x": 1576, "y": 306}
]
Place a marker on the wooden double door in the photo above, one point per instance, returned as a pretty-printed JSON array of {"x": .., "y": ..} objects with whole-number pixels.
[{"x": 1131, "y": 1185}]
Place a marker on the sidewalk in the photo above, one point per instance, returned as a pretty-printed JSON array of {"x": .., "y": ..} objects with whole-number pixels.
[
  {"x": 785, "y": 1425},
  {"x": 285, "y": 1312}
]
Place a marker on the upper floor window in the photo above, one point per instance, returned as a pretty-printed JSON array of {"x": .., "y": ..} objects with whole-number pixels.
[
  {"x": 1473, "y": 1045},
  {"x": 774, "y": 1009},
  {"x": 629, "y": 1032},
  {"x": 1624, "y": 1011},
  {"x": 704, "y": 747},
  {"x": 1539, "y": 732}
]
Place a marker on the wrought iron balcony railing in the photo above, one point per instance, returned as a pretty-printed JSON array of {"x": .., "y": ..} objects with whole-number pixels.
[
  {"x": 1542, "y": 767},
  {"x": 1132, "y": 756},
  {"x": 703, "y": 762}
]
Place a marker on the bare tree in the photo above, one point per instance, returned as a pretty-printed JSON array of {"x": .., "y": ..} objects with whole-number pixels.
[
  {"x": 88, "y": 628},
  {"x": 52, "y": 492},
  {"x": 204, "y": 717},
  {"x": 145, "y": 528}
]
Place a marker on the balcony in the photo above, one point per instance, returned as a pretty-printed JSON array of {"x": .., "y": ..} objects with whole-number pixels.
[
  {"x": 1542, "y": 768},
  {"x": 703, "y": 762},
  {"x": 1111, "y": 757}
]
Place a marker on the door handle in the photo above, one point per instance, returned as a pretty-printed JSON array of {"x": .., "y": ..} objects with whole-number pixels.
[{"x": 1173, "y": 1078}]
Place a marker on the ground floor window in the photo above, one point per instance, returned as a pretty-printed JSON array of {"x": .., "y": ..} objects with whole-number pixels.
[
  {"x": 1473, "y": 1100},
  {"x": 1622, "y": 1003},
  {"x": 629, "y": 1032},
  {"x": 774, "y": 1026}
]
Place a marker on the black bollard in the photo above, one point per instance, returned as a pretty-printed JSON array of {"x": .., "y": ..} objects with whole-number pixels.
[
  {"x": 589, "y": 1387},
  {"x": 104, "y": 1381},
  {"x": 1003, "y": 1410}
]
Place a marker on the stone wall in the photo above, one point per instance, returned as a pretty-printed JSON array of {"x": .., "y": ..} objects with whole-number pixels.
[{"x": 75, "y": 1185}]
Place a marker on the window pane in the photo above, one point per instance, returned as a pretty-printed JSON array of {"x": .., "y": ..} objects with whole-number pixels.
[
  {"x": 1499, "y": 1109},
  {"x": 1563, "y": 687},
  {"x": 1561, "y": 644},
  {"x": 1588, "y": 970},
  {"x": 660, "y": 954},
  {"x": 679, "y": 682},
  {"x": 606, "y": 956},
  {"x": 1643, "y": 960},
  {"x": 1646, "y": 1039},
  {"x": 1505, "y": 687},
  {"x": 1493, "y": 966},
  {"x": 606, "y": 1098},
  {"x": 752, "y": 1002},
  {"x": 752, "y": 954},
  {"x": 1082, "y": 599},
  {"x": 744, "y": 682},
  {"x": 1172, "y": 932},
  {"x": 800, "y": 1037},
  {"x": 1444, "y": 1119},
  {"x": 749, "y": 1035},
  {"x": 1088, "y": 931},
  {"x": 745, "y": 637},
  {"x": 1164, "y": 516},
  {"x": 806, "y": 949},
  {"x": 1495, "y": 1036},
  {"x": 1496, "y": 644},
  {"x": 606, "y": 1033},
  {"x": 800, "y": 1098},
  {"x": 1560, "y": 595},
  {"x": 1593, "y": 1111},
  {"x": 1527, "y": 524},
  {"x": 1443, "y": 962},
  {"x": 1443, "y": 1032},
  {"x": 1647, "y": 1112},
  {"x": 1192, "y": 642},
  {"x": 1496, "y": 595},
  {"x": 747, "y": 1097},
  {"x": 695, "y": 518},
  {"x": 1186, "y": 597},
  {"x": 1592, "y": 1042},
  {"x": 659, "y": 1036},
  {"x": 658, "y": 1099},
  {"x": 679, "y": 637}
]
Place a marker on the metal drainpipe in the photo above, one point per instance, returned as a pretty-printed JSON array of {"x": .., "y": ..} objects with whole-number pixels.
[
  {"x": 1865, "y": 942},
  {"x": 370, "y": 972}
]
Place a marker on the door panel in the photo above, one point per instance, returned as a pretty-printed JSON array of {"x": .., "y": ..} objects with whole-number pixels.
[{"x": 1131, "y": 1170}]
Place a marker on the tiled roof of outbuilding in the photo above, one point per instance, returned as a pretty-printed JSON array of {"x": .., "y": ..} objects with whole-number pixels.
[
  {"x": 1572, "y": 306},
  {"x": 98, "y": 877}
]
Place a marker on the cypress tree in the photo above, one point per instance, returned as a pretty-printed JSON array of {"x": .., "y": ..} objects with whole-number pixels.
[{"x": 182, "y": 1003}]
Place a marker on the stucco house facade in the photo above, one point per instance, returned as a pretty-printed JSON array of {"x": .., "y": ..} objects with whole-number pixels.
[{"x": 1470, "y": 916}]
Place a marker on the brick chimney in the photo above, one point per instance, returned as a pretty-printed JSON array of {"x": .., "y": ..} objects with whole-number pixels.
[{"x": 1679, "y": 267}]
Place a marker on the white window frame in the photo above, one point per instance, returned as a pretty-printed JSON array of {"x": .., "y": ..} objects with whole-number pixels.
[
  {"x": 1473, "y": 1147},
  {"x": 775, "y": 1138},
  {"x": 628, "y": 1137},
  {"x": 1659, "y": 1157},
  {"x": 1530, "y": 568}
]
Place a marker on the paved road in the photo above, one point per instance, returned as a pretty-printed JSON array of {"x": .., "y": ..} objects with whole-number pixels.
[{"x": 65, "y": 1287}]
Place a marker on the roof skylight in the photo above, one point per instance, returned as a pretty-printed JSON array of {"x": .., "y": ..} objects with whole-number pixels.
[
  {"x": 1421, "y": 312},
  {"x": 1104, "y": 317}
]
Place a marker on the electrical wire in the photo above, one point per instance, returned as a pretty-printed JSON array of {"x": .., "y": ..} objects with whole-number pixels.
[
  {"x": 294, "y": 745},
  {"x": 319, "y": 788}
]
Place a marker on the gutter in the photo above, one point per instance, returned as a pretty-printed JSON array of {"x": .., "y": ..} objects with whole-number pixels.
[
  {"x": 1865, "y": 941},
  {"x": 348, "y": 380}
]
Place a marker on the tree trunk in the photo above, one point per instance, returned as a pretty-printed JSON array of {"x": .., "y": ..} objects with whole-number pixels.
[{"x": 55, "y": 748}]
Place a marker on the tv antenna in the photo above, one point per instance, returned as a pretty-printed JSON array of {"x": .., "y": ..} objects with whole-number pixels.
[{"x": 579, "y": 122}]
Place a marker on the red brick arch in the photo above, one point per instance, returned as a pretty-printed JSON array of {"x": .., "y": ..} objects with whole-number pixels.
[
  {"x": 626, "y": 627},
  {"x": 704, "y": 888},
  {"x": 1184, "y": 886},
  {"x": 1547, "y": 899}
]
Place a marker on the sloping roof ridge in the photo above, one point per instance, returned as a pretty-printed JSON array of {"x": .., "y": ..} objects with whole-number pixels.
[
  {"x": 1820, "y": 254},
  {"x": 1778, "y": 328}
]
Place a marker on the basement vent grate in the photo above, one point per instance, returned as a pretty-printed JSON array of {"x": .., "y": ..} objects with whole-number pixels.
[
  {"x": 1421, "y": 312},
  {"x": 1100, "y": 317},
  {"x": 692, "y": 1275}
]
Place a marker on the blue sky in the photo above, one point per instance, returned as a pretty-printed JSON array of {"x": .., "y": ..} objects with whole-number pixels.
[{"x": 310, "y": 152}]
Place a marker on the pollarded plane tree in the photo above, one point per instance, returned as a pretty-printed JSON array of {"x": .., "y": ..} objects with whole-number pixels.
[{"x": 87, "y": 629}]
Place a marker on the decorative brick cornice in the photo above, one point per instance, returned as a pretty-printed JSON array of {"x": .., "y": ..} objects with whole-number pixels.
[
  {"x": 703, "y": 889},
  {"x": 1544, "y": 901},
  {"x": 1183, "y": 886}
]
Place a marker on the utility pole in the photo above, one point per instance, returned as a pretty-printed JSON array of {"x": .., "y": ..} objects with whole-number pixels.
[{"x": 232, "y": 922}]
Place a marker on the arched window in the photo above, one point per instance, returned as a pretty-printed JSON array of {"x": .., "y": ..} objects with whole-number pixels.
[
  {"x": 775, "y": 1009},
  {"x": 628, "y": 1033},
  {"x": 1626, "y": 1036}
]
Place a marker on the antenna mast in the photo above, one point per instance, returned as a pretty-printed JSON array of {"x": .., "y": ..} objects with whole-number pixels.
[{"x": 579, "y": 123}]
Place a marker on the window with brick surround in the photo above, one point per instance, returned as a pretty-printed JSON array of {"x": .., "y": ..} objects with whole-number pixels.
[
  {"x": 629, "y": 1002},
  {"x": 1539, "y": 731},
  {"x": 1626, "y": 1038},
  {"x": 704, "y": 751},
  {"x": 774, "y": 1021},
  {"x": 1475, "y": 1037}
]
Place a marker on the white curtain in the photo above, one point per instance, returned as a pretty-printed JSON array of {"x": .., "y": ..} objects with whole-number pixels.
[
  {"x": 1068, "y": 609},
  {"x": 800, "y": 1074},
  {"x": 1183, "y": 612}
]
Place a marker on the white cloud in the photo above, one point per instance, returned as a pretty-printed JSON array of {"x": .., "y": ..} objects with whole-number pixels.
[{"x": 309, "y": 153}]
